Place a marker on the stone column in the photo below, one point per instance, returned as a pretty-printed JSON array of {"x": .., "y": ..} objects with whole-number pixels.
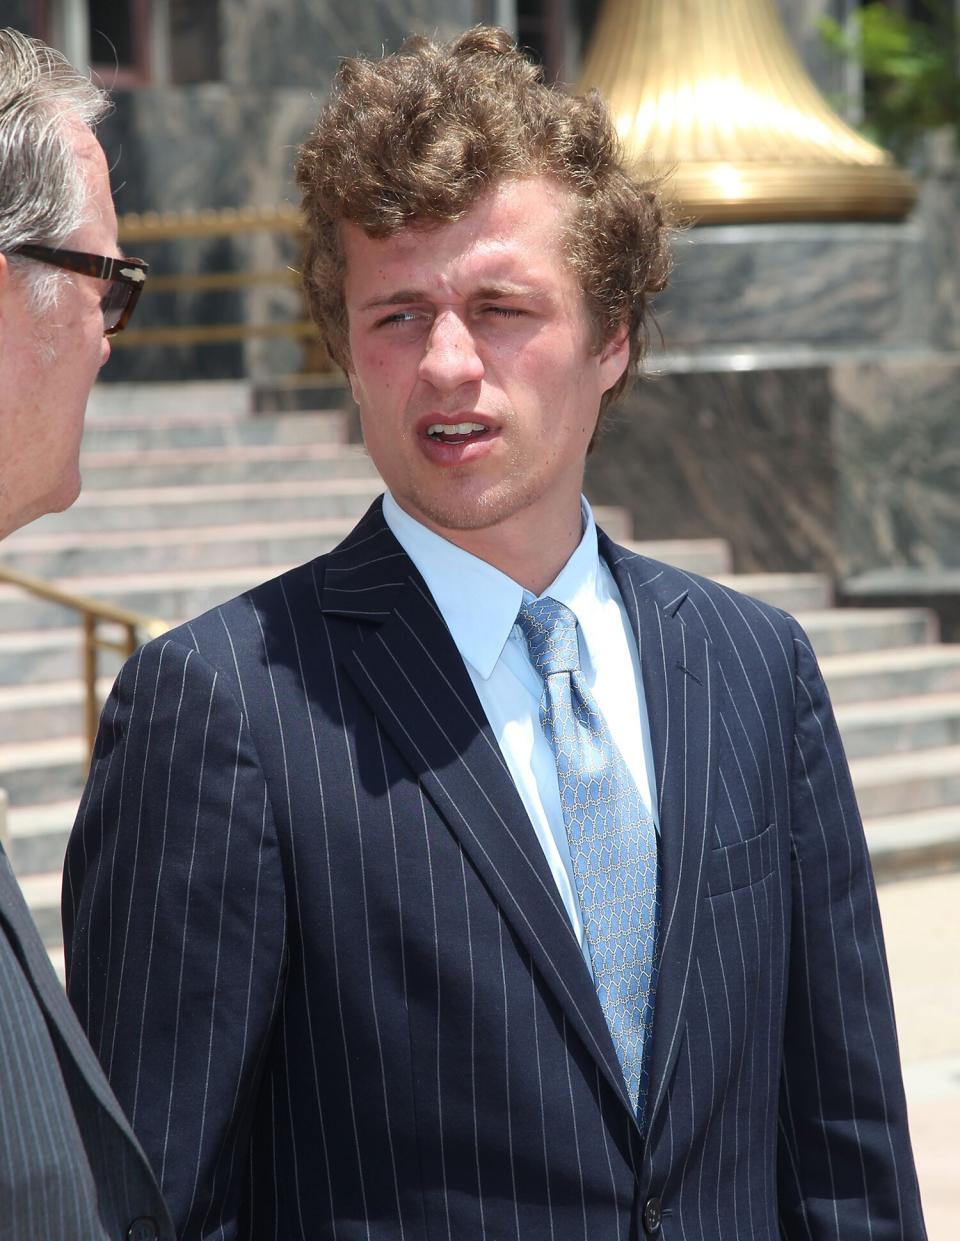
[
  {"x": 70, "y": 31},
  {"x": 840, "y": 80}
]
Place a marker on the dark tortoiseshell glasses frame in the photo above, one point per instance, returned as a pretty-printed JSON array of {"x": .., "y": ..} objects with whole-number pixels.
[{"x": 126, "y": 276}]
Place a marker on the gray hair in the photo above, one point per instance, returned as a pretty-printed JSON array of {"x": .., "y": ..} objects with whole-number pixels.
[{"x": 43, "y": 196}]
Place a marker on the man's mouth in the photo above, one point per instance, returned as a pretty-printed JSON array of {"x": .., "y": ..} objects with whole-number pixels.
[{"x": 455, "y": 432}]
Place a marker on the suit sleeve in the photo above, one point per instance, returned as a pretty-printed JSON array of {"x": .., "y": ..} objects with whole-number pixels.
[
  {"x": 174, "y": 925},
  {"x": 845, "y": 1165}
]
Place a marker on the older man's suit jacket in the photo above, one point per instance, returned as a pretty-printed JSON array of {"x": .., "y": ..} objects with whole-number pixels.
[
  {"x": 316, "y": 944},
  {"x": 70, "y": 1169}
]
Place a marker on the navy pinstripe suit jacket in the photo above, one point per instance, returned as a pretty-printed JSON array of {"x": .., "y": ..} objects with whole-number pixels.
[{"x": 316, "y": 944}]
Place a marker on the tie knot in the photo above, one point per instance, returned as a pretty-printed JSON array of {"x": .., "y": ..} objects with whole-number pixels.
[{"x": 550, "y": 630}]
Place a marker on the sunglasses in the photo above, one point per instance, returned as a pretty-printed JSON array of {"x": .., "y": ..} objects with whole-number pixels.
[{"x": 126, "y": 276}]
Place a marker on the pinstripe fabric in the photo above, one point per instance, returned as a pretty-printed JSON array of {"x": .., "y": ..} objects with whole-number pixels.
[
  {"x": 69, "y": 1165},
  {"x": 316, "y": 944}
]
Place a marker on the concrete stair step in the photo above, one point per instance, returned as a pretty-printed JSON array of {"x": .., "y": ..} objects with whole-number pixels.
[
  {"x": 264, "y": 543},
  {"x": 193, "y": 398},
  {"x": 44, "y": 654},
  {"x": 794, "y": 592},
  {"x": 38, "y": 710},
  {"x": 172, "y": 596},
  {"x": 708, "y": 557},
  {"x": 916, "y": 843},
  {"x": 142, "y": 508},
  {"x": 190, "y": 430},
  {"x": 896, "y": 784},
  {"x": 929, "y": 721},
  {"x": 845, "y": 630},
  {"x": 235, "y": 463},
  {"x": 42, "y": 892},
  {"x": 38, "y": 835},
  {"x": 43, "y": 771},
  {"x": 870, "y": 675}
]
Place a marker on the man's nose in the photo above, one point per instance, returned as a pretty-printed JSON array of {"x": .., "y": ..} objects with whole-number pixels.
[
  {"x": 105, "y": 350},
  {"x": 450, "y": 358}
]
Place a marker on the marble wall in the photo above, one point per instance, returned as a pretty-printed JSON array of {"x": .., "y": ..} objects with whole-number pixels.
[
  {"x": 807, "y": 403},
  {"x": 896, "y": 440},
  {"x": 799, "y": 285},
  {"x": 822, "y": 285},
  {"x": 286, "y": 43},
  {"x": 740, "y": 455},
  {"x": 18, "y": 14},
  {"x": 845, "y": 466}
]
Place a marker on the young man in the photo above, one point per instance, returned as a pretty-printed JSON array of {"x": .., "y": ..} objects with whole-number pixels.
[
  {"x": 69, "y": 1165},
  {"x": 480, "y": 878}
]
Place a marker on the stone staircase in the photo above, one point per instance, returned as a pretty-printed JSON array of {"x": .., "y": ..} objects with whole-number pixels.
[{"x": 188, "y": 499}]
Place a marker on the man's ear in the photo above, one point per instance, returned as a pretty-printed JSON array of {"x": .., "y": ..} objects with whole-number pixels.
[
  {"x": 352, "y": 381},
  {"x": 615, "y": 357}
]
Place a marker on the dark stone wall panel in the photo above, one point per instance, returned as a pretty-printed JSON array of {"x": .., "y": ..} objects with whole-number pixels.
[
  {"x": 300, "y": 42},
  {"x": 738, "y": 455},
  {"x": 896, "y": 433},
  {"x": 19, "y": 15},
  {"x": 798, "y": 284}
]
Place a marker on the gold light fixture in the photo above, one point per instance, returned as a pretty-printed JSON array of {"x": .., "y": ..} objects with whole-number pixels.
[{"x": 713, "y": 92}]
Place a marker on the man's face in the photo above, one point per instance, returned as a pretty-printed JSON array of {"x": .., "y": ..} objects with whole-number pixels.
[
  {"x": 478, "y": 328},
  {"x": 48, "y": 365}
]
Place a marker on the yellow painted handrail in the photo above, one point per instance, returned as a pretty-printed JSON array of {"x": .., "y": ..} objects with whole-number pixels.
[
  {"x": 136, "y": 626},
  {"x": 152, "y": 226},
  {"x": 208, "y": 222}
]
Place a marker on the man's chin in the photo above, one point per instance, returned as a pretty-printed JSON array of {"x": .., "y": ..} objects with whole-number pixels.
[
  {"x": 60, "y": 498},
  {"x": 68, "y": 491},
  {"x": 476, "y": 512}
]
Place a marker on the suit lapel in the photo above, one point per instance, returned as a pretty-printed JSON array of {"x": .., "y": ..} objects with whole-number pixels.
[
  {"x": 677, "y": 669},
  {"x": 16, "y": 922},
  {"x": 413, "y": 678}
]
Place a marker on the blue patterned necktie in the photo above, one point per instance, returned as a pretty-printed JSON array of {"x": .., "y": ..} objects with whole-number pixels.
[{"x": 613, "y": 843}]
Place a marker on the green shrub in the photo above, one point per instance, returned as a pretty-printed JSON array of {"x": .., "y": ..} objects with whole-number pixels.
[{"x": 911, "y": 78}]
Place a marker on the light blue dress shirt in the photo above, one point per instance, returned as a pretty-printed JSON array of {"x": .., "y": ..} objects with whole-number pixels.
[{"x": 479, "y": 605}]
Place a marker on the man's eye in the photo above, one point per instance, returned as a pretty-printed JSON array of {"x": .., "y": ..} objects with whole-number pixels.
[
  {"x": 503, "y": 312},
  {"x": 398, "y": 317}
]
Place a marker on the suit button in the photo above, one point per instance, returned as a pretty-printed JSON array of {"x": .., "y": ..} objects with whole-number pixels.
[
  {"x": 143, "y": 1229},
  {"x": 652, "y": 1215}
]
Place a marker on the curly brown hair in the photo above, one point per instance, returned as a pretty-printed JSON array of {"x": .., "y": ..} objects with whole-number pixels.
[{"x": 417, "y": 137}]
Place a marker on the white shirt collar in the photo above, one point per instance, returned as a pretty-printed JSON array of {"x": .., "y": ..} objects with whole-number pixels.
[{"x": 479, "y": 603}]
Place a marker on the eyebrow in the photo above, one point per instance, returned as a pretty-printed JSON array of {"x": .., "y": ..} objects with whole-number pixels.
[{"x": 487, "y": 292}]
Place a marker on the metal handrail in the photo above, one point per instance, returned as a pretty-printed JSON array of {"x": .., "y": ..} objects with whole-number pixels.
[
  {"x": 137, "y": 627},
  {"x": 154, "y": 226}
]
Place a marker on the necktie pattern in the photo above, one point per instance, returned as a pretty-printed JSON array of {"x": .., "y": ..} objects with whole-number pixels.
[{"x": 613, "y": 845}]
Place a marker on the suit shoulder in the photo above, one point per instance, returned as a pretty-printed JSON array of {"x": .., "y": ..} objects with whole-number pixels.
[
  {"x": 725, "y": 616},
  {"x": 249, "y": 613}
]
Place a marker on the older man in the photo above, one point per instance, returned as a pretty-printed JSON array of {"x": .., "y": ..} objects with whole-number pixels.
[
  {"x": 483, "y": 879},
  {"x": 70, "y": 1168}
]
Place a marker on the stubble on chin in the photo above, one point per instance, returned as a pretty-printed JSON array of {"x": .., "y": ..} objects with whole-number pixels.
[{"x": 471, "y": 508}]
